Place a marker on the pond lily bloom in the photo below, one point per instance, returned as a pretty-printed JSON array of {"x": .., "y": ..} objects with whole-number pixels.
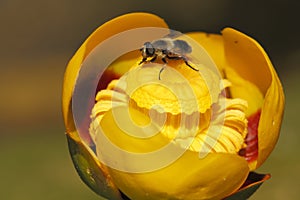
[{"x": 157, "y": 130}]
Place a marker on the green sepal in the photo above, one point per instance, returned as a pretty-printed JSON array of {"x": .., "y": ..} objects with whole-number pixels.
[
  {"x": 253, "y": 182},
  {"x": 90, "y": 170}
]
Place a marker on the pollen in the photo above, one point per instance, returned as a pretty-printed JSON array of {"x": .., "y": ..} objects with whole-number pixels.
[{"x": 188, "y": 107}]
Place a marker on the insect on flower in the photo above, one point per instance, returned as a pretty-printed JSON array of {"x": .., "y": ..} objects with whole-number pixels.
[
  {"x": 166, "y": 48},
  {"x": 129, "y": 160}
]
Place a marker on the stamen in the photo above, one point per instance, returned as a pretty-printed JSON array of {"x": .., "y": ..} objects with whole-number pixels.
[{"x": 198, "y": 121}]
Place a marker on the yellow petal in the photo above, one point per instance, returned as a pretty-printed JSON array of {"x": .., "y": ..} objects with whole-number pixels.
[
  {"x": 189, "y": 177},
  {"x": 246, "y": 90},
  {"x": 213, "y": 44},
  {"x": 250, "y": 61},
  {"x": 84, "y": 155},
  {"x": 247, "y": 65},
  {"x": 247, "y": 58},
  {"x": 117, "y": 25},
  {"x": 271, "y": 118},
  {"x": 240, "y": 87}
]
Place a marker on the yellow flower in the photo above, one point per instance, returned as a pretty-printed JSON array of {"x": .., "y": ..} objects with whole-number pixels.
[{"x": 151, "y": 131}]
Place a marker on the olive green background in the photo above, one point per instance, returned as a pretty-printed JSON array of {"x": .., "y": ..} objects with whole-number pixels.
[{"x": 37, "y": 38}]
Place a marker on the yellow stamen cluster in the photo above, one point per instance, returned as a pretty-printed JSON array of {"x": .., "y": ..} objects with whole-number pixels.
[{"x": 188, "y": 107}]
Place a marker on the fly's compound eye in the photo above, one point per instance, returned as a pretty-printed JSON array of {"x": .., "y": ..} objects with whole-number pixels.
[{"x": 149, "y": 49}]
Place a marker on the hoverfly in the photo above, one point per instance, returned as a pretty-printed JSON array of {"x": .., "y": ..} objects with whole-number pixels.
[{"x": 166, "y": 48}]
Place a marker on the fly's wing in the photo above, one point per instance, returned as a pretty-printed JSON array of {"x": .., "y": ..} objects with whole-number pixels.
[
  {"x": 166, "y": 42},
  {"x": 182, "y": 47},
  {"x": 173, "y": 34},
  {"x": 161, "y": 44}
]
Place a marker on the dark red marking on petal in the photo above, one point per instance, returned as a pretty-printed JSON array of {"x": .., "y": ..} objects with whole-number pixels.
[
  {"x": 251, "y": 151},
  {"x": 88, "y": 103},
  {"x": 106, "y": 78}
]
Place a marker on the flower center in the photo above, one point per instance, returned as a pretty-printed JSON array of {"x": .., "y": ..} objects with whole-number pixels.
[{"x": 189, "y": 108}]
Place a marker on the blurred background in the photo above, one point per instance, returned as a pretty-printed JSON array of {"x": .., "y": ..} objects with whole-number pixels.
[{"x": 37, "y": 39}]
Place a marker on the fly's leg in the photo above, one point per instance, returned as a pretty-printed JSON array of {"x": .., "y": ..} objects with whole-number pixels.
[
  {"x": 182, "y": 58},
  {"x": 165, "y": 61},
  {"x": 160, "y": 71},
  {"x": 142, "y": 61},
  {"x": 186, "y": 62},
  {"x": 153, "y": 59}
]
